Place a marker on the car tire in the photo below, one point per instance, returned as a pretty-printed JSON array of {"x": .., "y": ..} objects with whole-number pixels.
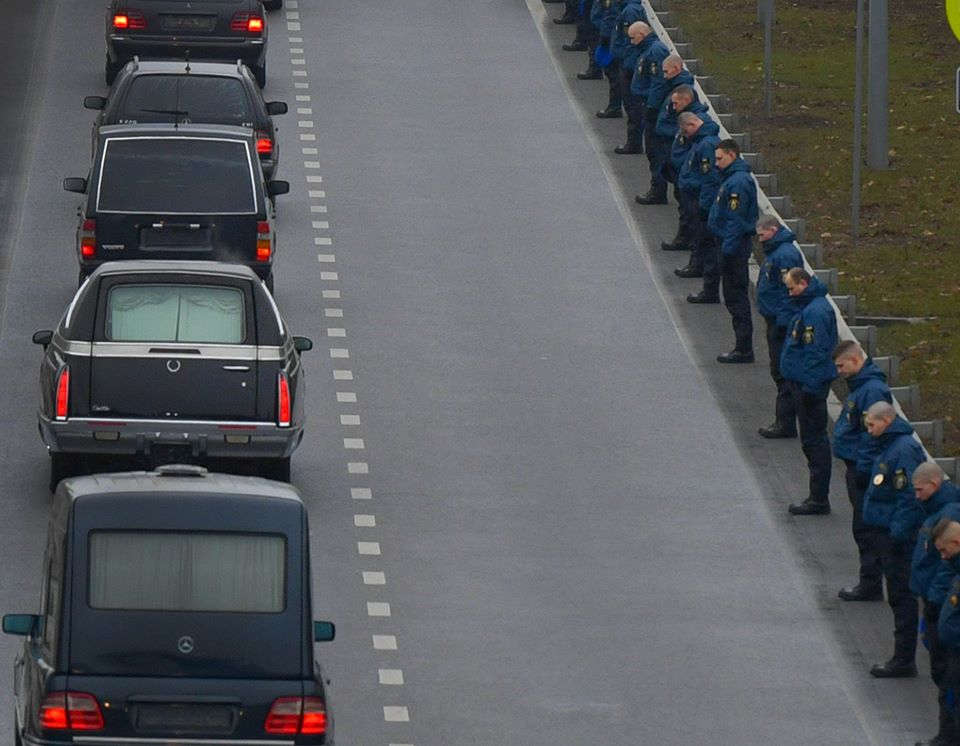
[
  {"x": 62, "y": 465},
  {"x": 110, "y": 70},
  {"x": 273, "y": 4},
  {"x": 260, "y": 74},
  {"x": 278, "y": 469}
]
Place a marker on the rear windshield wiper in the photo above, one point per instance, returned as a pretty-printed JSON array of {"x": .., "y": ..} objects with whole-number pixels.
[{"x": 175, "y": 113}]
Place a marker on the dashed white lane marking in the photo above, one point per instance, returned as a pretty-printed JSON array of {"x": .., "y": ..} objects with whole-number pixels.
[
  {"x": 316, "y": 193},
  {"x": 371, "y": 548},
  {"x": 353, "y": 444},
  {"x": 378, "y": 608},
  {"x": 314, "y": 179},
  {"x": 301, "y": 86},
  {"x": 320, "y": 225},
  {"x": 297, "y": 61},
  {"x": 384, "y": 642},
  {"x": 374, "y": 577},
  {"x": 396, "y": 714},
  {"x": 358, "y": 467},
  {"x": 346, "y": 397},
  {"x": 296, "y": 50},
  {"x": 330, "y": 294},
  {"x": 306, "y": 124},
  {"x": 323, "y": 241},
  {"x": 331, "y": 276},
  {"x": 304, "y": 110},
  {"x": 295, "y": 39},
  {"x": 333, "y": 313},
  {"x": 300, "y": 73},
  {"x": 349, "y": 419},
  {"x": 339, "y": 353},
  {"x": 364, "y": 520},
  {"x": 308, "y": 137},
  {"x": 293, "y": 15},
  {"x": 361, "y": 493},
  {"x": 326, "y": 258},
  {"x": 390, "y": 676},
  {"x": 309, "y": 151},
  {"x": 303, "y": 97},
  {"x": 336, "y": 332},
  {"x": 311, "y": 164},
  {"x": 318, "y": 208},
  {"x": 343, "y": 375}
]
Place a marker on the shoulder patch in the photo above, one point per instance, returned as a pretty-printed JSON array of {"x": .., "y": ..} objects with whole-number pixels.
[
  {"x": 734, "y": 202},
  {"x": 705, "y": 165},
  {"x": 899, "y": 479},
  {"x": 653, "y": 68},
  {"x": 808, "y": 335}
]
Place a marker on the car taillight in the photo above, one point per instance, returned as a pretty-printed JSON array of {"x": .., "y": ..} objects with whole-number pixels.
[
  {"x": 248, "y": 22},
  {"x": 70, "y": 711},
  {"x": 264, "y": 144},
  {"x": 129, "y": 19},
  {"x": 293, "y": 715},
  {"x": 88, "y": 239},
  {"x": 62, "y": 402},
  {"x": 283, "y": 400},
  {"x": 264, "y": 249}
]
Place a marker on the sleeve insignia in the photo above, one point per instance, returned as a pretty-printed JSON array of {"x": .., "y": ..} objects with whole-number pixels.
[
  {"x": 705, "y": 165},
  {"x": 877, "y": 479},
  {"x": 808, "y": 335},
  {"x": 863, "y": 421},
  {"x": 783, "y": 272},
  {"x": 625, "y": 25},
  {"x": 681, "y": 139},
  {"x": 653, "y": 68},
  {"x": 899, "y": 479},
  {"x": 734, "y": 201},
  {"x": 954, "y": 600}
]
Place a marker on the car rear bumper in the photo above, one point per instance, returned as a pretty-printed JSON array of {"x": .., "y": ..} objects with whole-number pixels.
[
  {"x": 29, "y": 740},
  {"x": 123, "y": 48},
  {"x": 159, "y": 438},
  {"x": 262, "y": 269}
]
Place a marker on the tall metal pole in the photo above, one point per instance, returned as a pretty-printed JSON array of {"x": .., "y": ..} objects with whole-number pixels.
[
  {"x": 768, "y": 56},
  {"x": 877, "y": 97},
  {"x": 857, "y": 128}
]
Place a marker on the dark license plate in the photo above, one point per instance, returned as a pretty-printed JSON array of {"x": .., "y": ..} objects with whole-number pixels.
[
  {"x": 188, "y": 239},
  {"x": 184, "y": 718},
  {"x": 188, "y": 23}
]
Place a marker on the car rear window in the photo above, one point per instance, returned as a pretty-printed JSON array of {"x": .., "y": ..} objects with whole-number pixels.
[
  {"x": 175, "y": 313},
  {"x": 176, "y": 176},
  {"x": 186, "y": 98},
  {"x": 187, "y": 571}
]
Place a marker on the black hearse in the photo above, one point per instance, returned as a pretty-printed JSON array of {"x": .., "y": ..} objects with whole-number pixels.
[
  {"x": 175, "y": 608},
  {"x": 171, "y": 362},
  {"x": 168, "y": 191}
]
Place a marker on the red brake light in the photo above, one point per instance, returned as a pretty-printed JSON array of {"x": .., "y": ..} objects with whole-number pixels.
[
  {"x": 121, "y": 20},
  {"x": 264, "y": 247},
  {"x": 88, "y": 239},
  {"x": 255, "y": 24},
  {"x": 249, "y": 22},
  {"x": 63, "y": 393},
  {"x": 283, "y": 400},
  {"x": 70, "y": 711},
  {"x": 264, "y": 145},
  {"x": 130, "y": 19},
  {"x": 293, "y": 715}
]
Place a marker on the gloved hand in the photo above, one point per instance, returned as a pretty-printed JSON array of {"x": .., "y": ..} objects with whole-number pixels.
[{"x": 603, "y": 56}]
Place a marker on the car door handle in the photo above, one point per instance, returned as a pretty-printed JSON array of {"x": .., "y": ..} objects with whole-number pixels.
[{"x": 242, "y": 368}]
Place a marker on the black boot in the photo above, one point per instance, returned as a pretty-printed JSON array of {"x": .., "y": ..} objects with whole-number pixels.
[
  {"x": 631, "y": 148},
  {"x": 778, "y": 430},
  {"x": 575, "y": 46},
  {"x": 653, "y": 197},
  {"x": 895, "y": 668},
  {"x": 689, "y": 270},
  {"x": 611, "y": 112},
  {"x": 566, "y": 19}
]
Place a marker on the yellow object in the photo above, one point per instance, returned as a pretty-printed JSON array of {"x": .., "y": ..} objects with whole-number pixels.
[{"x": 953, "y": 16}]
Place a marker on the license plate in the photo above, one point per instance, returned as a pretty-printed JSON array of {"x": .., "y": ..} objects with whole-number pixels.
[
  {"x": 188, "y": 23},
  {"x": 185, "y": 718},
  {"x": 189, "y": 239}
]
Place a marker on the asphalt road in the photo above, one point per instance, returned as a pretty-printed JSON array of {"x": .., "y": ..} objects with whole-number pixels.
[{"x": 539, "y": 512}]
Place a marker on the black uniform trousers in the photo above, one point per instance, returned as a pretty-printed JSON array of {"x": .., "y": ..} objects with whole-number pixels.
[
  {"x": 785, "y": 411},
  {"x": 951, "y": 684},
  {"x": 586, "y": 31},
  {"x": 707, "y": 254},
  {"x": 735, "y": 283},
  {"x": 866, "y": 537},
  {"x": 939, "y": 667},
  {"x": 633, "y": 105},
  {"x": 812, "y": 418},
  {"x": 895, "y": 559},
  {"x": 688, "y": 230},
  {"x": 615, "y": 96}
]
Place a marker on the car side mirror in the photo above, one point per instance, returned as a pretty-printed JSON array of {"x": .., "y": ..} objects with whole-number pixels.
[
  {"x": 24, "y": 624},
  {"x": 276, "y": 187},
  {"x": 276, "y": 107},
  {"x": 302, "y": 344},
  {"x": 75, "y": 184},
  {"x": 43, "y": 337},
  {"x": 322, "y": 631},
  {"x": 94, "y": 102}
]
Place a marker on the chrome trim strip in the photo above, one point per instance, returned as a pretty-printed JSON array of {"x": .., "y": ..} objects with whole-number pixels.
[
  {"x": 73, "y": 303},
  {"x": 276, "y": 311},
  {"x": 251, "y": 353},
  {"x": 168, "y": 425},
  {"x": 178, "y": 741}
]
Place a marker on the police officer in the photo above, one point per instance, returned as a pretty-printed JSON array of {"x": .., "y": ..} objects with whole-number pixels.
[
  {"x": 682, "y": 99},
  {"x": 627, "y": 48},
  {"x": 604, "y": 16},
  {"x": 701, "y": 133},
  {"x": 807, "y": 367},
  {"x": 946, "y": 537},
  {"x": 930, "y": 580},
  {"x": 780, "y": 254},
  {"x": 649, "y": 66},
  {"x": 585, "y": 31},
  {"x": 589, "y": 35},
  {"x": 866, "y": 385},
  {"x": 657, "y": 145},
  {"x": 732, "y": 220},
  {"x": 890, "y": 504}
]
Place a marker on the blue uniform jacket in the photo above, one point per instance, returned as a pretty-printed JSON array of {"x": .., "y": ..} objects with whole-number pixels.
[
  {"x": 889, "y": 501},
  {"x": 929, "y": 575},
  {"x": 667, "y": 118},
  {"x": 733, "y": 214},
  {"x": 660, "y": 88},
  {"x": 948, "y": 627},
  {"x": 698, "y": 164},
  {"x": 851, "y": 441},
  {"x": 681, "y": 146},
  {"x": 620, "y": 45},
  {"x": 780, "y": 254},
  {"x": 807, "y": 355},
  {"x": 599, "y": 13},
  {"x": 651, "y": 56}
]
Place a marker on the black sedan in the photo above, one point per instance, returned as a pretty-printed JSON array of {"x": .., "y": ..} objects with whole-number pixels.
[
  {"x": 171, "y": 362},
  {"x": 169, "y": 91},
  {"x": 200, "y": 29}
]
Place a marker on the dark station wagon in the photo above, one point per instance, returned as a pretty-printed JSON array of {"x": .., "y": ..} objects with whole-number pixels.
[
  {"x": 163, "y": 191},
  {"x": 151, "y": 92},
  {"x": 175, "y": 29},
  {"x": 175, "y": 609},
  {"x": 168, "y": 362}
]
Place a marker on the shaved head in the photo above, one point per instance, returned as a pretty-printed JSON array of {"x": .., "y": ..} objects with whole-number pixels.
[
  {"x": 946, "y": 537},
  {"x": 672, "y": 66},
  {"x": 638, "y": 31}
]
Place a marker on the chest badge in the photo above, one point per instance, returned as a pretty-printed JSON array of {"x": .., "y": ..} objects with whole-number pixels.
[{"x": 878, "y": 480}]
